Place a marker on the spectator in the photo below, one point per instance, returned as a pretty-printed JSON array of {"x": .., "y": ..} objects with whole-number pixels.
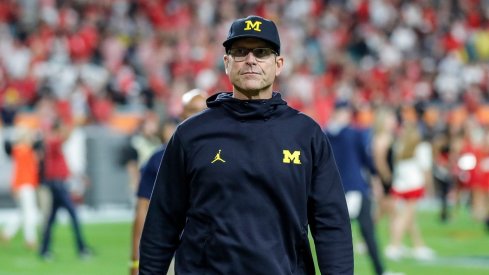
[
  {"x": 443, "y": 172},
  {"x": 413, "y": 162},
  {"x": 351, "y": 153},
  {"x": 193, "y": 102},
  {"x": 56, "y": 174},
  {"x": 24, "y": 184},
  {"x": 384, "y": 135}
]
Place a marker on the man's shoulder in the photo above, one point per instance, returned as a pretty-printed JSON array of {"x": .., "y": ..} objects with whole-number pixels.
[
  {"x": 302, "y": 119},
  {"x": 197, "y": 123},
  {"x": 198, "y": 117}
]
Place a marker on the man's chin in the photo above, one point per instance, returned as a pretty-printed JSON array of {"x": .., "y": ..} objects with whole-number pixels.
[{"x": 250, "y": 91}]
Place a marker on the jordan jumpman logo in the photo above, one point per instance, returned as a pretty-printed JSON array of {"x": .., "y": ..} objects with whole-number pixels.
[{"x": 218, "y": 157}]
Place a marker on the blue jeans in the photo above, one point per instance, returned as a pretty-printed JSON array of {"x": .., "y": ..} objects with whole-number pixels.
[{"x": 61, "y": 198}]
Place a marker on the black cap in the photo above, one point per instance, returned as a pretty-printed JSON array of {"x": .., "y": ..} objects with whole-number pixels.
[{"x": 253, "y": 27}]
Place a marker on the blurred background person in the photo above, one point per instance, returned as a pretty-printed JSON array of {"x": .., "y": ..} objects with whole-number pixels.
[
  {"x": 75, "y": 152},
  {"x": 25, "y": 182},
  {"x": 383, "y": 136},
  {"x": 412, "y": 168},
  {"x": 142, "y": 144},
  {"x": 350, "y": 149},
  {"x": 471, "y": 166},
  {"x": 483, "y": 188},
  {"x": 444, "y": 172},
  {"x": 56, "y": 175},
  {"x": 193, "y": 102}
]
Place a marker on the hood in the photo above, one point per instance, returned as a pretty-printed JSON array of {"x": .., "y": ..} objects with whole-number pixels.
[{"x": 248, "y": 109}]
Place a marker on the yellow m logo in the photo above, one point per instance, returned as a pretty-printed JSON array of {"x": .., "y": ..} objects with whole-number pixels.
[
  {"x": 252, "y": 25},
  {"x": 292, "y": 157}
]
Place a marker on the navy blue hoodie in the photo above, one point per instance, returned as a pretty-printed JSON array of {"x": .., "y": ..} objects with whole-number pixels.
[{"x": 238, "y": 186}]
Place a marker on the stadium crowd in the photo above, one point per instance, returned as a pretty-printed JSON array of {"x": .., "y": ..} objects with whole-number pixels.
[
  {"x": 84, "y": 61},
  {"x": 96, "y": 57}
]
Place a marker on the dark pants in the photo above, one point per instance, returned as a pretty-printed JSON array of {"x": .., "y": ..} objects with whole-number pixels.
[
  {"x": 367, "y": 230},
  {"x": 61, "y": 198},
  {"x": 444, "y": 186}
]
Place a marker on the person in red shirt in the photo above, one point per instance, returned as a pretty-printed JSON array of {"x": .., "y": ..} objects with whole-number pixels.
[
  {"x": 56, "y": 173},
  {"x": 480, "y": 192}
]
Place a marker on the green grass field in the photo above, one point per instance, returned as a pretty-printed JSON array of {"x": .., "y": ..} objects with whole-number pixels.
[
  {"x": 462, "y": 247},
  {"x": 110, "y": 243}
]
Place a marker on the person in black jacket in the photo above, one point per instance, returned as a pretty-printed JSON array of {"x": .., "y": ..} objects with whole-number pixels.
[
  {"x": 240, "y": 183},
  {"x": 193, "y": 102}
]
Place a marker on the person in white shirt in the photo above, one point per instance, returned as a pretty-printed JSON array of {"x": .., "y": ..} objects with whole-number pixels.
[{"x": 413, "y": 161}]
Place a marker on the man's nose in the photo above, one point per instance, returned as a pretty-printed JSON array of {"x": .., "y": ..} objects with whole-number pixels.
[{"x": 250, "y": 57}]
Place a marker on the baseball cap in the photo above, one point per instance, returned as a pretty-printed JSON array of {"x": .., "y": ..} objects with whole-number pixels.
[{"x": 253, "y": 26}]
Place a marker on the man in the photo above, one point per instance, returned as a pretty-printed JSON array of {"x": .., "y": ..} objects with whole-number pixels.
[
  {"x": 193, "y": 102},
  {"x": 56, "y": 174},
  {"x": 240, "y": 182},
  {"x": 351, "y": 153}
]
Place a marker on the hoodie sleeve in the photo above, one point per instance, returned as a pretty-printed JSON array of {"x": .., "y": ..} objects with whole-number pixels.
[
  {"x": 167, "y": 211},
  {"x": 328, "y": 214}
]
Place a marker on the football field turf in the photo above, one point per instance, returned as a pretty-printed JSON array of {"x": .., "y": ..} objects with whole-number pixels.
[{"x": 462, "y": 247}]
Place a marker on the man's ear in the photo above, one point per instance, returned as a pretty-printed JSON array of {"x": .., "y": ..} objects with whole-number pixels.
[
  {"x": 226, "y": 63},
  {"x": 279, "y": 63}
]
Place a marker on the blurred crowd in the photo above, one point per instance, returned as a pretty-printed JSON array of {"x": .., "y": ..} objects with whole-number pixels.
[
  {"x": 82, "y": 61},
  {"x": 93, "y": 58}
]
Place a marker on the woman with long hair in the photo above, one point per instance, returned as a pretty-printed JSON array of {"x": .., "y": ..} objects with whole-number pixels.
[
  {"x": 384, "y": 133},
  {"x": 413, "y": 161}
]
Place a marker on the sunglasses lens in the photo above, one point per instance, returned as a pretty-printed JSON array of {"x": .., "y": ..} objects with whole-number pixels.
[{"x": 240, "y": 54}]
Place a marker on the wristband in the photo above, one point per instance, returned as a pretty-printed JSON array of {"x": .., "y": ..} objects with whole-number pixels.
[{"x": 134, "y": 264}]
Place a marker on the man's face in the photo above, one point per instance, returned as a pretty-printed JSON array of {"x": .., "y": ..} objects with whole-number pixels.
[{"x": 252, "y": 77}]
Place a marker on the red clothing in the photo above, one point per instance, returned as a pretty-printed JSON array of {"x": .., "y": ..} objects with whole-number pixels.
[
  {"x": 483, "y": 184},
  {"x": 26, "y": 167},
  {"x": 409, "y": 195},
  {"x": 55, "y": 163},
  {"x": 471, "y": 177}
]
